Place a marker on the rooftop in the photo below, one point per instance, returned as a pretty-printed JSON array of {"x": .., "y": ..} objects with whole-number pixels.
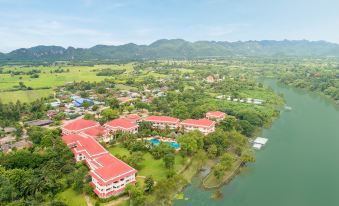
[
  {"x": 112, "y": 168},
  {"x": 88, "y": 144},
  {"x": 216, "y": 114},
  {"x": 95, "y": 131},
  {"x": 163, "y": 119},
  {"x": 121, "y": 123},
  {"x": 80, "y": 124},
  {"x": 198, "y": 122}
]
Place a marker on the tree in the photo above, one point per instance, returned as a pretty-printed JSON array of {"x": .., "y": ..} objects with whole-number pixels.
[
  {"x": 212, "y": 151},
  {"x": 149, "y": 184},
  {"x": 86, "y": 104},
  {"x": 228, "y": 124},
  {"x": 218, "y": 171},
  {"x": 246, "y": 128},
  {"x": 113, "y": 103},
  {"x": 227, "y": 160},
  {"x": 137, "y": 196},
  {"x": 191, "y": 142},
  {"x": 161, "y": 150},
  {"x": 169, "y": 160},
  {"x": 247, "y": 157},
  {"x": 109, "y": 114},
  {"x": 135, "y": 159}
]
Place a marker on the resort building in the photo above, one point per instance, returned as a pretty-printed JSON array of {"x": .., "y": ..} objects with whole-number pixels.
[
  {"x": 78, "y": 126},
  {"x": 205, "y": 126},
  {"x": 99, "y": 133},
  {"x": 109, "y": 174},
  {"x": 215, "y": 115},
  {"x": 121, "y": 125},
  {"x": 133, "y": 118},
  {"x": 162, "y": 122}
]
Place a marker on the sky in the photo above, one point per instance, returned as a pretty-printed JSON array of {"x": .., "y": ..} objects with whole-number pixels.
[{"x": 85, "y": 23}]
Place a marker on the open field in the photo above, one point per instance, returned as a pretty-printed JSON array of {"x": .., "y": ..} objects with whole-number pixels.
[{"x": 43, "y": 86}]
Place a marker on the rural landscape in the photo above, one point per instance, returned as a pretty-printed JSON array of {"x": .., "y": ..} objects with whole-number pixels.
[{"x": 165, "y": 122}]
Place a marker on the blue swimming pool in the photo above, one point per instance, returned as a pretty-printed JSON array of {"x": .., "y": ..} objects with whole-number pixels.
[
  {"x": 175, "y": 145},
  {"x": 154, "y": 141}
]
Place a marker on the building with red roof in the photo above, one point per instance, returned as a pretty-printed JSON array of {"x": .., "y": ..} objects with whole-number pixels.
[
  {"x": 83, "y": 147},
  {"x": 109, "y": 174},
  {"x": 99, "y": 133},
  {"x": 79, "y": 125},
  {"x": 133, "y": 118},
  {"x": 206, "y": 126},
  {"x": 215, "y": 115},
  {"x": 162, "y": 122},
  {"x": 122, "y": 125}
]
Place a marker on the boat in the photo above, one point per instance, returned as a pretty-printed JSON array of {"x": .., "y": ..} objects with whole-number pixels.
[{"x": 288, "y": 108}]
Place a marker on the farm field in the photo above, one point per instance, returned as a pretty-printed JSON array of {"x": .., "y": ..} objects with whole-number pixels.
[{"x": 43, "y": 86}]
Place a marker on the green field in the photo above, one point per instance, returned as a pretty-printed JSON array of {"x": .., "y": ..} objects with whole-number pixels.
[
  {"x": 149, "y": 165},
  {"x": 47, "y": 79}
]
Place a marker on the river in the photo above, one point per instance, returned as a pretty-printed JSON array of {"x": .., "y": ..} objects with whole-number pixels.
[{"x": 299, "y": 166}]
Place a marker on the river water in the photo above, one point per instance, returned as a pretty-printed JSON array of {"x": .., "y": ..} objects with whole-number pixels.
[{"x": 299, "y": 166}]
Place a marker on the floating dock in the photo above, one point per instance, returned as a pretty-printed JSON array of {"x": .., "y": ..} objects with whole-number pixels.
[{"x": 259, "y": 142}]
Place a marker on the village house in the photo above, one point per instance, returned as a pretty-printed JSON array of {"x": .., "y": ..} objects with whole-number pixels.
[
  {"x": 210, "y": 79},
  {"x": 109, "y": 174},
  {"x": 215, "y": 115},
  {"x": 162, "y": 122},
  {"x": 205, "y": 126},
  {"x": 123, "y": 125},
  {"x": 39, "y": 123}
]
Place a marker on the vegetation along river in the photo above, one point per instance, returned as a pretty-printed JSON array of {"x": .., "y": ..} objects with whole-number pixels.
[{"x": 299, "y": 166}]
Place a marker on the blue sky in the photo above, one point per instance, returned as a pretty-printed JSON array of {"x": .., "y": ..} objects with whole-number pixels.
[{"x": 85, "y": 23}]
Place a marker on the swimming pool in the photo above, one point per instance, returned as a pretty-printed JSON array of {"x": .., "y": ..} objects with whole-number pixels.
[
  {"x": 154, "y": 141},
  {"x": 174, "y": 145}
]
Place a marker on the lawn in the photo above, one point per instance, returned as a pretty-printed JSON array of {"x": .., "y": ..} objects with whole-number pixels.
[
  {"x": 72, "y": 198},
  {"x": 150, "y": 166}
]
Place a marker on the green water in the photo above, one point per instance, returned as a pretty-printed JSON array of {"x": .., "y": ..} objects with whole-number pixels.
[{"x": 299, "y": 166}]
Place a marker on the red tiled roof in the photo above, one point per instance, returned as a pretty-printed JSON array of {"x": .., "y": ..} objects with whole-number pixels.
[
  {"x": 83, "y": 144},
  {"x": 95, "y": 131},
  {"x": 198, "y": 122},
  {"x": 80, "y": 124},
  {"x": 162, "y": 119},
  {"x": 112, "y": 169},
  {"x": 215, "y": 114},
  {"x": 132, "y": 117},
  {"x": 69, "y": 139},
  {"x": 121, "y": 123}
]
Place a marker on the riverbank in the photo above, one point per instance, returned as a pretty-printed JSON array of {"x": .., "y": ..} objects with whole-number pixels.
[{"x": 288, "y": 166}]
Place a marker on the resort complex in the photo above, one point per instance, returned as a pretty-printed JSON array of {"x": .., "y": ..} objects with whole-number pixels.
[{"x": 109, "y": 174}]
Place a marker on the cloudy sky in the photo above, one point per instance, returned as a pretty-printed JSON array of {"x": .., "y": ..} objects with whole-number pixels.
[{"x": 85, "y": 23}]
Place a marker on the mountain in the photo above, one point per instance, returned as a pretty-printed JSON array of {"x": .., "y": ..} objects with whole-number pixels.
[{"x": 174, "y": 48}]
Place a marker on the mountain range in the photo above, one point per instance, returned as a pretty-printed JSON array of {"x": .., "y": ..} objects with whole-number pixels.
[{"x": 174, "y": 48}]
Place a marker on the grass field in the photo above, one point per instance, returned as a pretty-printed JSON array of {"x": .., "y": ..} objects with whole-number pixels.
[
  {"x": 71, "y": 198},
  {"x": 25, "y": 96},
  {"x": 150, "y": 166},
  {"x": 46, "y": 79}
]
